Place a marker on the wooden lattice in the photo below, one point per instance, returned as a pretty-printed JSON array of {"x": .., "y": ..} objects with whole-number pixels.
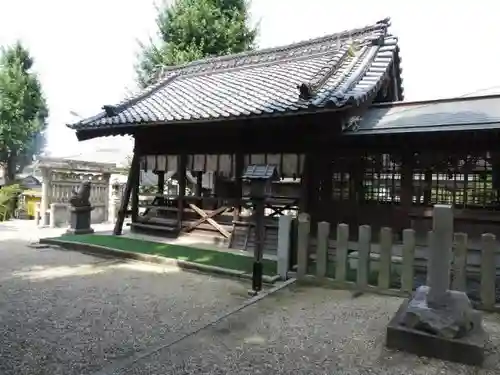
[{"x": 466, "y": 181}]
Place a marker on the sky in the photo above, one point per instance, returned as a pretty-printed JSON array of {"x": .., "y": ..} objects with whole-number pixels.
[{"x": 85, "y": 51}]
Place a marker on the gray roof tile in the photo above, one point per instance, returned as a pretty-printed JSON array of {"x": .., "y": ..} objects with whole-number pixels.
[
  {"x": 472, "y": 113},
  {"x": 340, "y": 69}
]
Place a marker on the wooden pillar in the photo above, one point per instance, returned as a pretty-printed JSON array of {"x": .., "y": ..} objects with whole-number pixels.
[
  {"x": 428, "y": 186},
  {"x": 406, "y": 195},
  {"x": 135, "y": 194},
  {"x": 495, "y": 174},
  {"x": 181, "y": 177},
  {"x": 325, "y": 172},
  {"x": 199, "y": 183},
  {"x": 133, "y": 171},
  {"x": 161, "y": 182},
  {"x": 313, "y": 198},
  {"x": 238, "y": 173},
  {"x": 160, "y": 189},
  {"x": 259, "y": 244},
  {"x": 305, "y": 185},
  {"x": 357, "y": 175}
]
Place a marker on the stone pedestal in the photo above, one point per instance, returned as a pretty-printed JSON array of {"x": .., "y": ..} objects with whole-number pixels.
[
  {"x": 422, "y": 340},
  {"x": 79, "y": 221},
  {"x": 438, "y": 322}
]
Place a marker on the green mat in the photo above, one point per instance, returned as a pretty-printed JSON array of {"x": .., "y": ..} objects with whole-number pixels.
[{"x": 192, "y": 254}]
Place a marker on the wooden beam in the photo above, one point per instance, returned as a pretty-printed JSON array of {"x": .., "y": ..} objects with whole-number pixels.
[
  {"x": 134, "y": 168},
  {"x": 181, "y": 180}
]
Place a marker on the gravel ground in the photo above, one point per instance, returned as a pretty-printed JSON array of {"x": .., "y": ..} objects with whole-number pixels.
[
  {"x": 68, "y": 313},
  {"x": 305, "y": 331}
]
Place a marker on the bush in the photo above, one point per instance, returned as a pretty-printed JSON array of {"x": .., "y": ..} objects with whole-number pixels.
[{"x": 8, "y": 200}]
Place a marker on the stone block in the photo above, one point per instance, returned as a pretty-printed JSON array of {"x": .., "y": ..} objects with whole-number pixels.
[
  {"x": 468, "y": 350},
  {"x": 80, "y": 220},
  {"x": 451, "y": 318},
  {"x": 59, "y": 215}
]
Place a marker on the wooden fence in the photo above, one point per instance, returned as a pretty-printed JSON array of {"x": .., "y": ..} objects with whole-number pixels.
[{"x": 332, "y": 267}]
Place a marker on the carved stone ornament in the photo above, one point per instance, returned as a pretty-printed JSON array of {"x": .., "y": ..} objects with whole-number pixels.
[{"x": 81, "y": 197}]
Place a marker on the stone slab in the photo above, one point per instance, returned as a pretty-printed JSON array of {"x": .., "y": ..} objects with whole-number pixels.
[
  {"x": 80, "y": 231},
  {"x": 468, "y": 350}
]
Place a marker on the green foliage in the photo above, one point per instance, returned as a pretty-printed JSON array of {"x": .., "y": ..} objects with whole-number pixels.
[
  {"x": 194, "y": 29},
  {"x": 8, "y": 198},
  {"x": 23, "y": 109}
]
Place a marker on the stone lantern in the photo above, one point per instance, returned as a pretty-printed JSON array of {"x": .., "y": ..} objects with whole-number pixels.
[{"x": 260, "y": 178}]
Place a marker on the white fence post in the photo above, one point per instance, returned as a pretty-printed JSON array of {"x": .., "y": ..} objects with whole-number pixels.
[
  {"x": 407, "y": 271},
  {"x": 459, "y": 262},
  {"x": 440, "y": 253},
  {"x": 341, "y": 252},
  {"x": 364, "y": 249},
  {"x": 322, "y": 248},
  {"x": 488, "y": 270},
  {"x": 284, "y": 228},
  {"x": 384, "y": 274},
  {"x": 303, "y": 245}
]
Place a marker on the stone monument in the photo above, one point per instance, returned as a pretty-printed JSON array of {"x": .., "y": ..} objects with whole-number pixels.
[
  {"x": 438, "y": 322},
  {"x": 80, "y": 210}
]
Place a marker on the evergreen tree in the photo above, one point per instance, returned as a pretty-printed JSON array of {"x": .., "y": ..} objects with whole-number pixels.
[
  {"x": 194, "y": 29},
  {"x": 23, "y": 110}
]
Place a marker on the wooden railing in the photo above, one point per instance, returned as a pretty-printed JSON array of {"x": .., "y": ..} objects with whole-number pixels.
[{"x": 396, "y": 275}]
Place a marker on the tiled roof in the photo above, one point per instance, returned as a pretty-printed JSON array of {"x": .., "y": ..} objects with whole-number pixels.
[
  {"x": 333, "y": 71},
  {"x": 471, "y": 113}
]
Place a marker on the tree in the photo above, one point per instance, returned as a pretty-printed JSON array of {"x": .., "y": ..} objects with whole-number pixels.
[
  {"x": 194, "y": 29},
  {"x": 23, "y": 110}
]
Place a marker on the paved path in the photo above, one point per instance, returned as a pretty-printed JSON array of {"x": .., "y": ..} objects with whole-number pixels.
[{"x": 68, "y": 313}]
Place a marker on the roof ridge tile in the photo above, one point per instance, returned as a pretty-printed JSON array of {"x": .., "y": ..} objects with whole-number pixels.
[{"x": 205, "y": 64}]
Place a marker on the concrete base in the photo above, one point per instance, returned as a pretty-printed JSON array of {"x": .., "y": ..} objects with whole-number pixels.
[
  {"x": 80, "y": 231},
  {"x": 468, "y": 350}
]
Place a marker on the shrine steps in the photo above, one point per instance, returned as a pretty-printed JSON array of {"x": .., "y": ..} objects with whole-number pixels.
[
  {"x": 155, "y": 229},
  {"x": 243, "y": 237},
  {"x": 156, "y": 225},
  {"x": 167, "y": 227}
]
